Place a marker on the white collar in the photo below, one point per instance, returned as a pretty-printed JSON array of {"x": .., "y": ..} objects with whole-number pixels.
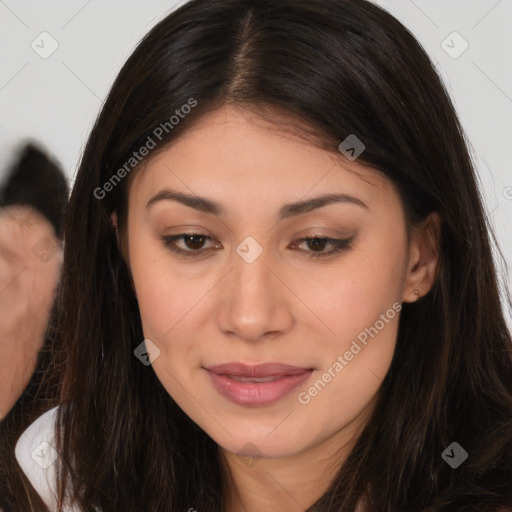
[{"x": 36, "y": 455}]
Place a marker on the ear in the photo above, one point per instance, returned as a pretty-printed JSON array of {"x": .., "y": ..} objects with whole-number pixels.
[{"x": 423, "y": 258}]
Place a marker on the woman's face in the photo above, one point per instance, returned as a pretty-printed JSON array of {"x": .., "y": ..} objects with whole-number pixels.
[
  {"x": 246, "y": 287},
  {"x": 30, "y": 261}
]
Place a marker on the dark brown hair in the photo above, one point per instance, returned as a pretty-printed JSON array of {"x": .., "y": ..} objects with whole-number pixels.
[
  {"x": 337, "y": 67},
  {"x": 37, "y": 181}
]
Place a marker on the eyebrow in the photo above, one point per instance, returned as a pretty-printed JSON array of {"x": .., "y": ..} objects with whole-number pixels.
[{"x": 288, "y": 210}]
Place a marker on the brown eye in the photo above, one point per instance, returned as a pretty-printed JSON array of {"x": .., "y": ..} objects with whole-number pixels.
[
  {"x": 317, "y": 244},
  {"x": 190, "y": 244},
  {"x": 194, "y": 241}
]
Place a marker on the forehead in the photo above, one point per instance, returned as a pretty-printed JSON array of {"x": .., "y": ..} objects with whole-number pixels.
[
  {"x": 22, "y": 219},
  {"x": 231, "y": 150}
]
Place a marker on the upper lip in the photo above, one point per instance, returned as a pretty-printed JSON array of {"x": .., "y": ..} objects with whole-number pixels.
[{"x": 259, "y": 370}]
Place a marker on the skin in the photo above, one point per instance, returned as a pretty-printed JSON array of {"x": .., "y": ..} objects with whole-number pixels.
[
  {"x": 27, "y": 284},
  {"x": 284, "y": 307}
]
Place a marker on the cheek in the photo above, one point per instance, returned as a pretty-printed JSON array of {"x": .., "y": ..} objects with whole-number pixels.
[
  {"x": 360, "y": 305},
  {"x": 167, "y": 316},
  {"x": 354, "y": 360},
  {"x": 167, "y": 306},
  {"x": 350, "y": 295},
  {"x": 162, "y": 300}
]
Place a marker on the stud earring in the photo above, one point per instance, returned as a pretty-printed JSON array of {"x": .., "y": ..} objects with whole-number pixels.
[{"x": 416, "y": 292}]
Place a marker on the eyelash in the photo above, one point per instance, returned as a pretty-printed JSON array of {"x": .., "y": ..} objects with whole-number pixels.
[{"x": 338, "y": 244}]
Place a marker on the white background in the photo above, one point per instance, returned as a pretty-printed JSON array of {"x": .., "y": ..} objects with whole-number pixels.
[{"x": 55, "y": 100}]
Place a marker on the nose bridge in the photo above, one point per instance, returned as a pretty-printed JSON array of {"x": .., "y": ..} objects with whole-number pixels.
[
  {"x": 252, "y": 284},
  {"x": 251, "y": 271},
  {"x": 253, "y": 277},
  {"x": 254, "y": 303}
]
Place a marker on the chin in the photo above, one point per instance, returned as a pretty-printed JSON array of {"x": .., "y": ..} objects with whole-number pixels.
[{"x": 273, "y": 446}]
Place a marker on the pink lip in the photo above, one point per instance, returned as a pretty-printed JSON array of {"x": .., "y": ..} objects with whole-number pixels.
[{"x": 252, "y": 393}]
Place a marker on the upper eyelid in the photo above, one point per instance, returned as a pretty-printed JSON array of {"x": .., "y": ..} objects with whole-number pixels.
[
  {"x": 335, "y": 242},
  {"x": 338, "y": 246},
  {"x": 177, "y": 236}
]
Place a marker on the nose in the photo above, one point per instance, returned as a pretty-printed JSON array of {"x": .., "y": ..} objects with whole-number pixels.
[{"x": 254, "y": 303}]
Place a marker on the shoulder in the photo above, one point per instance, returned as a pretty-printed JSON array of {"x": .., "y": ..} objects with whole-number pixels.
[{"x": 36, "y": 455}]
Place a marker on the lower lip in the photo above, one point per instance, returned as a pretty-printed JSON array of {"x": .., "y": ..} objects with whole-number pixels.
[{"x": 253, "y": 394}]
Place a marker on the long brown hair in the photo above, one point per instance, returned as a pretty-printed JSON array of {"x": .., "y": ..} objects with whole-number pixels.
[{"x": 337, "y": 67}]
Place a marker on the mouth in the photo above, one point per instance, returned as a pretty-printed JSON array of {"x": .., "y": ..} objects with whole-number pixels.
[{"x": 257, "y": 385}]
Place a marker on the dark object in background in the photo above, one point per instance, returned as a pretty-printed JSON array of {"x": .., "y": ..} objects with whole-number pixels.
[{"x": 36, "y": 181}]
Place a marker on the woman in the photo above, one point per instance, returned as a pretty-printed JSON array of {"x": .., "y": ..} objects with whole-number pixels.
[
  {"x": 32, "y": 210},
  {"x": 278, "y": 291},
  {"x": 33, "y": 203}
]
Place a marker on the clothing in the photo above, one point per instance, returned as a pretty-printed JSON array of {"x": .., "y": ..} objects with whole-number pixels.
[{"x": 36, "y": 455}]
